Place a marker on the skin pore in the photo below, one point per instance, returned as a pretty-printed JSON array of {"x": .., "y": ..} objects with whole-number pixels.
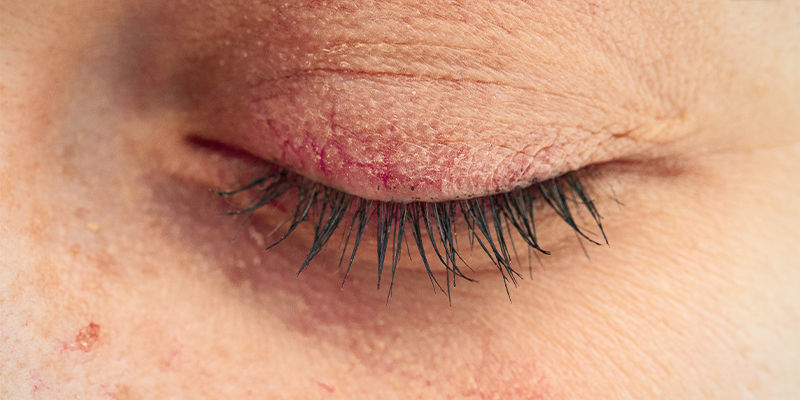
[{"x": 118, "y": 278}]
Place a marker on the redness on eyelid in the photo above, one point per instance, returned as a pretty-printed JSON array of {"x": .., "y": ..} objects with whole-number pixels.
[
  {"x": 379, "y": 140},
  {"x": 315, "y": 91}
]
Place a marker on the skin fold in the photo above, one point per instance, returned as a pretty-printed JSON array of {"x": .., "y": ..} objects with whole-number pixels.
[{"x": 120, "y": 280}]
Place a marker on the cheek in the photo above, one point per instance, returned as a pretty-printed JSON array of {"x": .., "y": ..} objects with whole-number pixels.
[{"x": 181, "y": 300}]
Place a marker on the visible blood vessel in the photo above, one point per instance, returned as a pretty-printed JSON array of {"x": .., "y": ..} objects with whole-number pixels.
[
  {"x": 303, "y": 87},
  {"x": 353, "y": 134}
]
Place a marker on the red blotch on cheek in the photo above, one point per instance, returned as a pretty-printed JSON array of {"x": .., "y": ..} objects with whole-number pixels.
[{"x": 85, "y": 339}]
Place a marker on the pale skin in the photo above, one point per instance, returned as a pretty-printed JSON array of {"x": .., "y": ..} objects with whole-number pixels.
[{"x": 119, "y": 280}]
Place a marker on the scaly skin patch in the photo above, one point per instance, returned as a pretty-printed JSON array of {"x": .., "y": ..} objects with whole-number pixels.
[{"x": 375, "y": 98}]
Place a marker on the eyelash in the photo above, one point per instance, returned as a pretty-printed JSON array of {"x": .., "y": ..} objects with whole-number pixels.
[{"x": 398, "y": 221}]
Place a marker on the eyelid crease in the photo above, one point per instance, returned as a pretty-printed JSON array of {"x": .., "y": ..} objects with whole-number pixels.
[{"x": 323, "y": 71}]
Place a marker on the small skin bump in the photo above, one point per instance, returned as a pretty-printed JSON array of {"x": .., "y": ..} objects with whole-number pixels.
[{"x": 85, "y": 339}]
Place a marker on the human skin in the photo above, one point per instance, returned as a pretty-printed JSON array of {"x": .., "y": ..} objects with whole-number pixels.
[{"x": 118, "y": 278}]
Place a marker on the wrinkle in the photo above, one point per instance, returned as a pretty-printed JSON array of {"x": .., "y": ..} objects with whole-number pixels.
[
  {"x": 323, "y": 72},
  {"x": 365, "y": 43}
]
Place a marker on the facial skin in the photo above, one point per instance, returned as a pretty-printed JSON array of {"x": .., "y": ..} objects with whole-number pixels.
[{"x": 118, "y": 278}]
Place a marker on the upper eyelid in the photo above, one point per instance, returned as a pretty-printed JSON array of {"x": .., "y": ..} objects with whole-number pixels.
[
  {"x": 340, "y": 131},
  {"x": 449, "y": 122},
  {"x": 430, "y": 77}
]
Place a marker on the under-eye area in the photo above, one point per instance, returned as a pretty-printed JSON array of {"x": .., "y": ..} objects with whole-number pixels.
[{"x": 432, "y": 234}]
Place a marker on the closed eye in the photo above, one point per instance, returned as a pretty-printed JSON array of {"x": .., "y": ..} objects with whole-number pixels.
[{"x": 412, "y": 140}]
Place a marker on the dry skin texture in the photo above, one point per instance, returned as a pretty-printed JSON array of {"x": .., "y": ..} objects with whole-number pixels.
[
  {"x": 118, "y": 280},
  {"x": 454, "y": 101}
]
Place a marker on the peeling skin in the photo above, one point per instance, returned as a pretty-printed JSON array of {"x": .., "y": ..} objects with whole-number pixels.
[{"x": 373, "y": 110}]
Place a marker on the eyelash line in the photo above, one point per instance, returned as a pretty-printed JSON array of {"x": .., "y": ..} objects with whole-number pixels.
[{"x": 506, "y": 210}]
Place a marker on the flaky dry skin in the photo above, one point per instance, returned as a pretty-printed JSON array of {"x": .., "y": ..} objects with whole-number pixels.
[
  {"x": 452, "y": 101},
  {"x": 118, "y": 280}
]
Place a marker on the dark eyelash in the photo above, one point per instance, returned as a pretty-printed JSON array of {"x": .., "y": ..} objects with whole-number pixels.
[{"x": 489, "y": 222}]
